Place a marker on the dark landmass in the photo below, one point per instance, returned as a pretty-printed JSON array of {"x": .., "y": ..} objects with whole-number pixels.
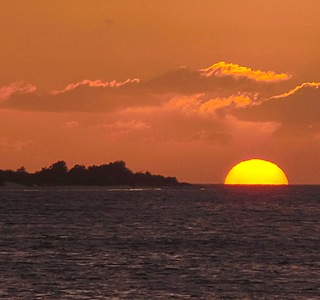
[{"x": 112, "y": 174}]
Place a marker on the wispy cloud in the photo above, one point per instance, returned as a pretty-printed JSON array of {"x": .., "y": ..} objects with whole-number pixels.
[
  {"x": 121, "y": 127},
  {"x": 297, "y": 89},
  {"x": 71, "y": 124},
  {"x": 95, "y": 84},
  {"x": 17, "y": 145}
]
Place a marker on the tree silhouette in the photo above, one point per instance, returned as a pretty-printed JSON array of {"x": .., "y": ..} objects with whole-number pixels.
[
  {"x": 78, "y": 175},
  {"x": 114, "y": 173},
  {"x": 55, "y": 174}
]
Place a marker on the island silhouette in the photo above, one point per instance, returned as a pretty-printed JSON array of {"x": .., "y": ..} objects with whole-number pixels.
[{"x": 112, "y": 174}]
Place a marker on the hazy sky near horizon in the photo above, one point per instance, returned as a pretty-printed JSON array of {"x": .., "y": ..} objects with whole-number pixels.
[{"x": 180, "y": 88}]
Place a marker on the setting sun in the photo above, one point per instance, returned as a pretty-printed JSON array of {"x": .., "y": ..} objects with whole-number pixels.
[{"x": 256, "y": 171}]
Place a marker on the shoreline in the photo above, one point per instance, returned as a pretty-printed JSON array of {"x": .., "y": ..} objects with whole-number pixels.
[{"x": 8, "y": 185}]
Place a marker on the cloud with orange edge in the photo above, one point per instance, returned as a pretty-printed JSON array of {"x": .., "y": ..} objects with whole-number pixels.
[
  {"x": 298, "y": 111},
  {"x": 297, "y": 88},
  {"x": 16, "y": 88},
  {"x": 96, "y": 83},
  {"x": 225, "y": 69},
  {"x": 198, "y": 105},
  {"x": 227, "y": 82}
]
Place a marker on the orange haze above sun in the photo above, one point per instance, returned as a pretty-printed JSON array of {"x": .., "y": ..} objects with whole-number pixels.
[
  {"x": 256, "y": 171},
  {"x": 108, "y": 81}
]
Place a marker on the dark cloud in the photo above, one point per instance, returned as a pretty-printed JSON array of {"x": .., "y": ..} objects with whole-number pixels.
[
  {"x": 297, "y": 112},
  {"x": 300, "y": 106},
  {"x": 218, "y": 81},
  {"x": 83, "y": 97},
  {"x": 223, "y": 80}
]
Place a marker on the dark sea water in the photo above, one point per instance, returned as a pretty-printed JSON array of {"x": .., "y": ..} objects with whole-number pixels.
[{"x": 215, "y": 243}]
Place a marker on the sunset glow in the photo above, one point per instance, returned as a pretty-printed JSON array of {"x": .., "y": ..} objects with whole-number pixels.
[
  {"x": 256, "y": 171},
  {"x": 171, "y": 87}
]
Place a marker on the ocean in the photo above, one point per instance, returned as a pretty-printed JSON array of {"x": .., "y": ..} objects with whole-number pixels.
[{"x": 215, "y": 242}]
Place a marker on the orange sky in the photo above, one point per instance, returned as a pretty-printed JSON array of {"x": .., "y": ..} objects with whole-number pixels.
[{"x": 180, "y": 88}]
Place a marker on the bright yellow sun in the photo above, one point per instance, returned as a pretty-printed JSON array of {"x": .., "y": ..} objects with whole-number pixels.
[{"x": 256, "y": 171}]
